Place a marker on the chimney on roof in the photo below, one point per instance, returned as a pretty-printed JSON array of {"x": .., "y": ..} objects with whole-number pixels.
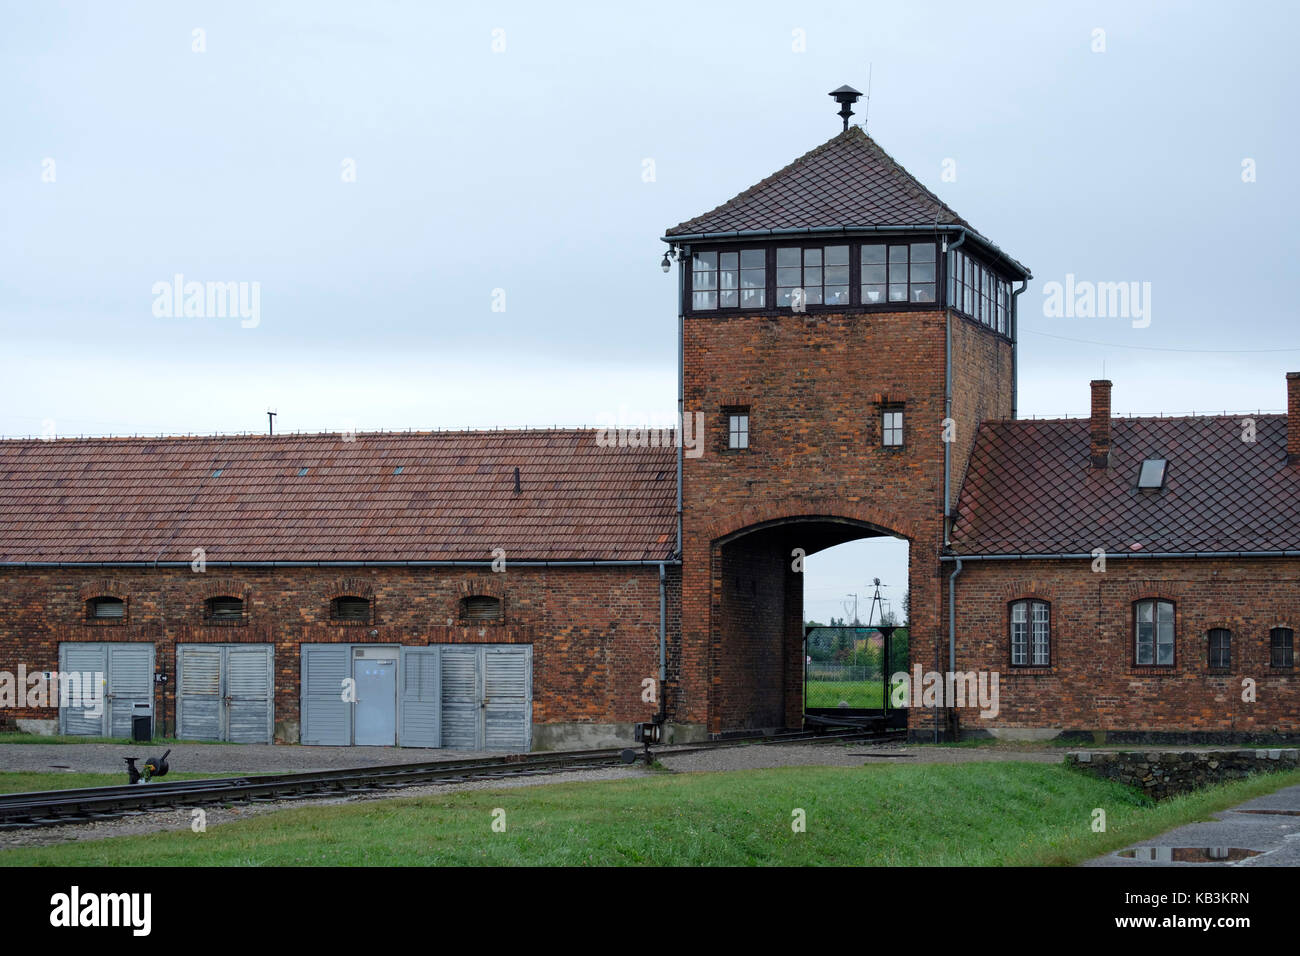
[
  {"x": 1100, "y": 444},
  {"x": 1293, "y": 416}
]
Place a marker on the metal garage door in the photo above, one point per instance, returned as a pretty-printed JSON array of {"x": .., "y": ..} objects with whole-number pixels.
[
  {"x": 127, "y": 671},
  {"x": 226, "y": 692},
  {"x": 487, "y": 699},
  {"x": 420, "y": 703},
  {"x": 326, "y": 716}
]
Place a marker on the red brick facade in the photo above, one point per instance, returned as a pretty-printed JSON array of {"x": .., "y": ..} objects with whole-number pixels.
[
  {"x": 594, "y": 630},
  {"x": 815, "y": 474},
  {"x": 1093, "y": 684}
]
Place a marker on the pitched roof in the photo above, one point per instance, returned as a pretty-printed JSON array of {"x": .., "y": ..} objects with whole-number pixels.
[
  {"x": 846, "y": 181},
  {"x": 1030, "y": 489},
  {"x": 242, "y": 498}
]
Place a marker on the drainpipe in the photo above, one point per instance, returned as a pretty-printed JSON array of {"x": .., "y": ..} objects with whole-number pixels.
[
  {"x": 952, "y": 625},
  {"x": 947, "y": 388},
  {"x": 681, "y": 386},
  {"x": 663, "y": 645},
  {"x": 1015, "y": 338}
]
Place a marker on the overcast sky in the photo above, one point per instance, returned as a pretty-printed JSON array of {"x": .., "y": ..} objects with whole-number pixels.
[{"x": 505, "y": 147}]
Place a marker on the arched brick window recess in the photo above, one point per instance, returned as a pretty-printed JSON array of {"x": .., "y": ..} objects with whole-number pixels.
[
  {"x": 224, "y": 609},
  {"x": 351, "y": 609},
  {"x": 482, "y": 609},
  {"x": 105, "y": 602}
]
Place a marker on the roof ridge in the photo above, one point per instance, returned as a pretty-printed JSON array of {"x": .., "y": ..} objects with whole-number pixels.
[{"x": 335, "y": 435}]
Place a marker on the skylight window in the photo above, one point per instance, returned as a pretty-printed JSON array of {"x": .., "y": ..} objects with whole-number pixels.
[
  {"x": 301, "y": 472},
  {"x": 1152, "y": 474}
]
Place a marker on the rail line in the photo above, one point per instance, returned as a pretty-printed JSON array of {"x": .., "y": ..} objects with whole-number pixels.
[{"x": 21, "y": 811}]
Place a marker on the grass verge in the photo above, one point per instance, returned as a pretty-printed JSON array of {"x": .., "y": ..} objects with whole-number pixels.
[{"x": 945, "y": 815}]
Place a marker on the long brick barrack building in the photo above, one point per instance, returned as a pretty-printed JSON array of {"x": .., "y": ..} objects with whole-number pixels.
[{"x": 849, "y": 345}]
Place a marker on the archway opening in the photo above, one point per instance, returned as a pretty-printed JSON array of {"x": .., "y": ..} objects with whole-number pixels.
[{"x": 760, "y": 577}]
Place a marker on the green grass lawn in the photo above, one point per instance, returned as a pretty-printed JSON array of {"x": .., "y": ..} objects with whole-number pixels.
[
  {"x": 859, "y": 693},
  {"x": 960, "y": 814},
  {"x": 24, "y": 781}
]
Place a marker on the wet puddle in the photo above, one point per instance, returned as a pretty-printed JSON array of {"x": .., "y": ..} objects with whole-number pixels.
[{"x": 1188, "y": 854}]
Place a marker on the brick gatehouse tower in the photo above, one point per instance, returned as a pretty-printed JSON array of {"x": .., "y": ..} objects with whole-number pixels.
[{"x": 843, "y": 334}]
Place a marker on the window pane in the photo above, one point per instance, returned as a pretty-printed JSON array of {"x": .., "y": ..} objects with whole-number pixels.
[
  {"x": 873, "y": 293},
  {"x": 837, "y": 256},
  {"x": 783, "y": 297},
  {"x": 727, "y": 278},
  {"x": 922, "y": 271},
  {"x": 752, "y": 298},
  {"x": 923, "y": 252},
  {"x": 727, "y": 300},
  {"x": 837, "y": 275},
  {"x": 789, "y": 277},
  {"x": 812, "y": 275},
  {"x": 728, "y": 260},
  {"x": 814, "y": 294},
  {"x": 1145, "y": 611},
  {"x": 704, "y": 300},
  {"x": 898, "y": 293},
  {"x": 812, "y": 257},
  {"x": 704, "y": 280},
  {"x": 752, "y": 278},
  {"x": 837, "y": 295},
  {"x": 873, "y": 254},
  {"x": 787, "y": 257},
  {"x": 923, "y": 293},
  {"x": 873, "y": 274},
  {"x": 706, "y": 261},
  {"x": 898, "y": 272},
  {"x": 753, "y": 259},
  {"x": 1165, "y": 612}
]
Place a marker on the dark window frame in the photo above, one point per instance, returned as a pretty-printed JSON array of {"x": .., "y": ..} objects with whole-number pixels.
[
  {"x": 1223, "y": 660},
  {"x": 367, "y": 618},
  {"x": 468, "y": 600},
  {"x": 728, "y": 411},
  {"x": 1155, "y": 636},
  {"x": 1029, "y": 602},
  {"x": 209, "y": 607},
  {"x": 943, "y": 298},
  {"x": 1274, "y": 646},
  {"x": 739, "y": 308},
  {"x": 89, "y": 617}
]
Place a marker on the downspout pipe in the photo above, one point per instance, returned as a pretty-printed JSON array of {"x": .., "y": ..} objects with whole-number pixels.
[
  {"x": 681, "y": 385},
  {"x": 947, "y": 390},
  {"x": 1015, "y": 347},
  {"x": 663, "y": 644},
  {"x": 952, "y": 626}
]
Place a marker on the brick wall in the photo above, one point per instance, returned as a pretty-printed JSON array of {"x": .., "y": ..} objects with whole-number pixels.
[
  {"x": 594, "y": 631},
  {"x": 1093, "y": 684},
  {"x": 814, "y": 386}
]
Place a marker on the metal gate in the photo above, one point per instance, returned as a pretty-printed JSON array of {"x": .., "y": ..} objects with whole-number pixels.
[
  {"x": 487, "y": 697},
  {"x": 225, "y": 692},
  {"x": 127, "y": 675}
]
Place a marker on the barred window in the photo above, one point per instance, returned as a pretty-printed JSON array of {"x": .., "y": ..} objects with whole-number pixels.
[
  {"x": 106, "y": 609},
  {"x": 350, "y": 610},
  {"x": 1281, "y": 647},
  {"x": 1220, "y": 648},
  {"x": 480, "y": 608},
  {"x": 224, "y": 610},
  {"x": 1031, "y": 634}
]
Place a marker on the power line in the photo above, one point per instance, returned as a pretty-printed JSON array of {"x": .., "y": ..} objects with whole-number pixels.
[{"x": 1157, "y": 348}]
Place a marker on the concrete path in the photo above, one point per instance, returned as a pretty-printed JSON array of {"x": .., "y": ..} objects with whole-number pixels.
[
  {"x": 214, "y": 758},
  {"x": 1273, "y": 837}
]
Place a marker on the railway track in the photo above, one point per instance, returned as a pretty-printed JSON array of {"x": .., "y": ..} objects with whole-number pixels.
[{"x": 21, "y": 811}]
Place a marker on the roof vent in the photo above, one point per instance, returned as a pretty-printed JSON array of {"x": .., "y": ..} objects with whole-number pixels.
[
  {"x": 301, "y": 472},
  {"x": 1152, "y": 474}
]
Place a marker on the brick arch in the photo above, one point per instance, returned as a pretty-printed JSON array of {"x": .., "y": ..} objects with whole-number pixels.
[
  {"x": 877, "y": 516},
  {"x": 481, "y": 585},
  {"x": 1025, "y": 588},
  {"x": 350, "y": 587},
  {"x": 104, "y": 587},
  {"x": 225, "y": 587}
]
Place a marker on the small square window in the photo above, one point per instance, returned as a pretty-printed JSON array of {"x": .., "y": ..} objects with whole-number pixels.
[
  {"x": 891, "y": 427},
  {"x": 738, "y": 430}
]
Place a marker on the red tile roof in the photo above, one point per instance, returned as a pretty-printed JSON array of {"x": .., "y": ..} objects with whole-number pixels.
[
  {"x": 1030, "y": 489},
  {"x": 147, "y": 499},
  {"x": 848, "y": 180}
]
